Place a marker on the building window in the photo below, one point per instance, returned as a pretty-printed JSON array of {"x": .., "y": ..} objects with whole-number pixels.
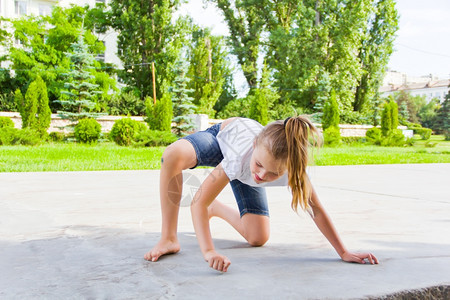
[
  {"x": 20, "y": 8},
  {"x": 45, "y": 10}
]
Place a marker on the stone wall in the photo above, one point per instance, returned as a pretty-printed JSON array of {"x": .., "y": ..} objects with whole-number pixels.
[{"x": 202, "y": 122}]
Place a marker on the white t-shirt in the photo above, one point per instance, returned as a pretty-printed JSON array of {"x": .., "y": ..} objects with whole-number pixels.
[{"x": 236, "y": 144}]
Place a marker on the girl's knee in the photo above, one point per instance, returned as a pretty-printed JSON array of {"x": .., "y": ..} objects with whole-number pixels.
[
  {"x": 180, "y": 155},
  {"x": 258, "y": 240}
]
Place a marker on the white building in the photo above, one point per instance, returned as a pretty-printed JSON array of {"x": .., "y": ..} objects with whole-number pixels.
[
  {"x": 430, "y": 86},
  {"x": 17, "y": 8}
]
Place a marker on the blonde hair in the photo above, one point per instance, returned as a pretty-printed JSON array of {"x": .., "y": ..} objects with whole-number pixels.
[{"x": 289, "y": 142}]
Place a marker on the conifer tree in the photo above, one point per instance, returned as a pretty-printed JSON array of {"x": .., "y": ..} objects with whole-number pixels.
[
  {"x": 182, "y": 102},
  {"x": 36, "y": 113},
  {"x": 79, "y": 87},
  {"x": 330, "y": 112}
]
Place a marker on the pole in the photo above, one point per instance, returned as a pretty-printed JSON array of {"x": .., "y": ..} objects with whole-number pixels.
[{"x": 154, "y": 82}]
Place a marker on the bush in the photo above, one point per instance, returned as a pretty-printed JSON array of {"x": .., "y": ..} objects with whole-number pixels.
[
  {"x": 57, "y": 136},
  {"x": 353, "y": 140},
  {"x": 124, "y": 131},
  {"x": 6, "y": 122},
  {"x": 353, "y": 117},
  {"x": 88, "y": 131},
  {"x": 373, "y": 136},
  {"x": 159, "y": 115},
  {"x": 14, "y": 136},
  {"x": 395, "y": 138},
  {"x": 425, "y": 133},
  {"x": 332, "y": 136},
  {"x": 154, "y": 138},
  {"x": 126, "y": 104},
  {"x": 330, "y": 116}
]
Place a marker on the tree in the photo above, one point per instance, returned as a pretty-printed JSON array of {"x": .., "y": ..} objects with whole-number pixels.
[
  {"x": 208, "y": 69},
  {"x": 44, "y": 41},
  {"x": 147, "y": 34},
  {"x": 331, "y": 112},
  {"x": 36, "y": 112},
  {"x": 442, "y": 119},
  {"x": 79, "y": 87},
  {"x": 375, "y": 50},
  {"x": 389, "y": 117},
  {"x": 159, "y": 115},
  {"x": 182, "y": 102},
  {"x": 262, "y": 99},
  {"x": 246, "y": 23}
]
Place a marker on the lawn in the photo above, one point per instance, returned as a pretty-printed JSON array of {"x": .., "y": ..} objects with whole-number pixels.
[{"x": 108, "y": 156}]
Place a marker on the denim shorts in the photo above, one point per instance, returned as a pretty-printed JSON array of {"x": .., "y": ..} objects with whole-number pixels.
[{"x": 249, "y": 199}]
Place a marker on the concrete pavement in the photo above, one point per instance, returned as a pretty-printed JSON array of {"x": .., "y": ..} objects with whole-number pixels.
[{"x": 82, "y": 235}]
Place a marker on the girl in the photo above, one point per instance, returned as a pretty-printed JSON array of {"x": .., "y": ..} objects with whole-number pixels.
[{"x": 249, "y": 157}]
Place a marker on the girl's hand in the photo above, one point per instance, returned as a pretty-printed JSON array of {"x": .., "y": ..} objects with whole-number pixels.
[
  {"x": 216, "y": 261},
  {"x": 359, "y": 257}
]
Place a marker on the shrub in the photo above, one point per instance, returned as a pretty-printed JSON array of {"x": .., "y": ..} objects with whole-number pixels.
[
  {"x": 332, "y": 136},
  {"x": 14, "y": 136},
  {"x": 125, "y": 130},
  {"x": 36, "y": 112},
  {"x": 330, "y": 116},
  {"x": 373, "y": 136},
  {"x": 6, "y": 122},
  {"x": 425, "y": 133},
  {"x": 353, "y": 117},
  {"x": 154, "y": 138},
  {"x": 353, "y": 140},
  {"x": 159, "y": 115},
  {"x": 88, "y": 131},
  {"x": 389, "y": 117},
  {"x": 126, "y": 104},
  {"x": 395, "y": 138},
  {"x": 57, "y": 136}
]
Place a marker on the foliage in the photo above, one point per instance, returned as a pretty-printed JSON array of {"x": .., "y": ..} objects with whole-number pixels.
[
  {"x": 57, "y": 136},
  {"x": 427, "y": 113},
  {"x": 182, "y": 102},
  {"x": 442, "y": 120},
  {"x": 159, "y": 115},
  {"x": 14, "y": 136},
  {"x": 374, "y": 136},
  {"x": 124, "y": 131},
  {"x": 332, "y": 136},
  {"x": 414, "y": 105},
  {"x": 79, "y": 87},
  {"x": 375, "y": 50},
  {"x": 6, "y": 122},
  {"x": 236, "y": 108},
  {"x": 228, "y": 94},
  {"x": 394, "y": 138},
  {"x": 88, "y": 131},
  {"x": 36, "y": 112},
  {"x": 389, "y": 117},
  {"x": 154, "y": 138},
  {"x": 262, "y": 99},
  {"x": 330, "y": 112},
  {"x": 425, "y": 133},
  {"x": 208, "y": 69},
  {"x": 126, "y": 103},
  {"x": 44, "y": 40},
  {"x": 146, "y": 34},
  {"x": 246, "y": 22},
  {"x": 353, "y": 117}
]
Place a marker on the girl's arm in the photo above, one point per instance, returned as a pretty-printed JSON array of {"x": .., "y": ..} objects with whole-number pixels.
[
  {"x": 210, "y": 188},
  {"x": 325, "y": 225}
]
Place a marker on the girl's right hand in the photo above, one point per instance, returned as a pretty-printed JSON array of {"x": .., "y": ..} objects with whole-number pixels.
[{"x": 216, "y": 261}]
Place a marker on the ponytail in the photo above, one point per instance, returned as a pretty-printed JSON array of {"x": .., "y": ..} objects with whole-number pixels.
[
  {"x": 298, "y": 131},
  {"x": 290, "y": 141}
]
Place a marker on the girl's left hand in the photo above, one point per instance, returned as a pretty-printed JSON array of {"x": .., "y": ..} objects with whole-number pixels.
[{"x": 359, "y": 257}]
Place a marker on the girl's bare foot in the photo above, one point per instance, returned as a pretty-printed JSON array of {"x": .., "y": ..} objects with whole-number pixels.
[{"x": 162, "y": 248}]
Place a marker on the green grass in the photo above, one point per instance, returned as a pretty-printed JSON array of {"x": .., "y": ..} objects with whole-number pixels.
[
  {"x": 73, "y": 157},
  {"x": 108, "y": 156}
]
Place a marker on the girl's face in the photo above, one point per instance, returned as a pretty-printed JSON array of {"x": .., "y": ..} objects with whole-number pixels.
[{"x": 264, "y": 167}]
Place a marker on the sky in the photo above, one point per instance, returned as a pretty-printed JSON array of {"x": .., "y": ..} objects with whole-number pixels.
[{"x": 422, "y": 46}]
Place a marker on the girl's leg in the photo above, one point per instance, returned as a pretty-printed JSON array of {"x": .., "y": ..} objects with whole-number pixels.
[
  {"x": 254, "y": 228},
  {"x": 176, "y": 158}
]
